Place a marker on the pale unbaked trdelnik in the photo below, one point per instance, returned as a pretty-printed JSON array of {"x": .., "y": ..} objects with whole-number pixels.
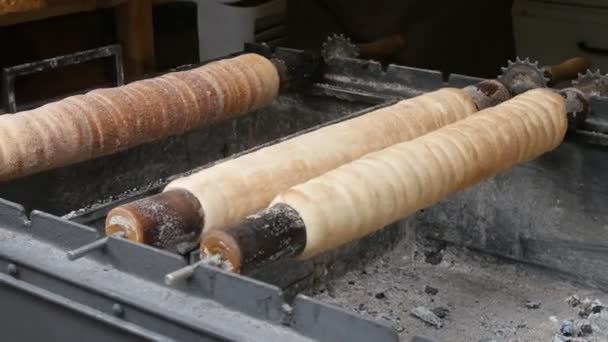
[
  {"x": 358, "y": 198},
  {"x": 230, "y": 191},
  {"x": 363, "y": 196}
]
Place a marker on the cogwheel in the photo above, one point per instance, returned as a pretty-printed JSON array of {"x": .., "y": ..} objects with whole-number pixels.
[
  {"x": 339, "y": 46},
  {"x": 523, "y": 75},
  {"x": 592, "y": 83}
]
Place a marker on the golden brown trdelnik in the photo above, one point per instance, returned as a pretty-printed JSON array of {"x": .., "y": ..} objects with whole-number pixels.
[{"x": 105, "y": 121}]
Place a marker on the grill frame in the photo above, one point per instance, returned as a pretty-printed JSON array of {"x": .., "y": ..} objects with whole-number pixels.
[{"x": 33, "y": 245}]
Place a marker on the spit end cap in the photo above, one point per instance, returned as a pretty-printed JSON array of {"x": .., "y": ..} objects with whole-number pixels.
[{"x": 220, "y": 243}]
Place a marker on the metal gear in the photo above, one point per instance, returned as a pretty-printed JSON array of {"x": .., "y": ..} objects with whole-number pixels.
[
  {"x": 339, "y": 46},
  {"x": 592, "y": 83},
  {"x": 523, "y": 75}
]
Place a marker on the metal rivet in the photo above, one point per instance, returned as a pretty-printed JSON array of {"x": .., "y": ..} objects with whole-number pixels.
[
  {"x": 11, "y": 269},
  {"x": 117, "y": 310}
]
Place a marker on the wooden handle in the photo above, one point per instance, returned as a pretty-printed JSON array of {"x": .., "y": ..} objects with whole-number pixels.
[
  {"x": 371, "y": 192},
  {"x": 382, "y": 48},
  {"x": 596, "y": 50},
  {"x": 163, "y": 220},
  {"x": 272, "y": 234},
  {"x": 568, "y": 69}
]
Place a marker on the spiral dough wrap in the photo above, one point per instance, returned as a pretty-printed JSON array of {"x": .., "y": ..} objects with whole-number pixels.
[
  {"x": 105, "y": 121},
  {"x": 361, "y": 197},
  {"x": 230, "y": 191}
]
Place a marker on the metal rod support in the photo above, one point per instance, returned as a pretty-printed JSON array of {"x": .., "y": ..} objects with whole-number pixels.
[
  {"x": 84, "y": 250},
  {"x": 182, "y": 274}
]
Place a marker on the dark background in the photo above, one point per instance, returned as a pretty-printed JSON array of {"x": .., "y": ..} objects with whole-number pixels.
[{"x": 471, "y": 37}]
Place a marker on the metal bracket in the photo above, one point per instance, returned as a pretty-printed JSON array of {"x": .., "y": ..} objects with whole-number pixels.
[
  {"x": 10, "y": 74},
  {"x": 392, "y": 81},
  {"x": 125, "y": 280}
]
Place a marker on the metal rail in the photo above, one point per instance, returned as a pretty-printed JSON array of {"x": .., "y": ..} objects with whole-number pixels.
[{"x": 10, "y": 74}]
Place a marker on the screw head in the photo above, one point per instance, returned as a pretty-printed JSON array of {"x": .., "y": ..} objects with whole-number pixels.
[
  {"x": 117, "y": 310},
  {"x": 12, "y": 270}
]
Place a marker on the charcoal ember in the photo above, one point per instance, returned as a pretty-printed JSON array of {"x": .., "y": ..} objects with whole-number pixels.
[
  {"x": 441, "y": 312},
  {"x": 587, "y": 307},
  {"x": 532, "y": 305},
  {"x": 430, "y": 290},
  {"x": 567, "y": 328},
  {"x": 573, "y": 301},
  {"x": 433, "y": 253},
  {"x": 427, "y": 316},
  {"x": 575, "y": 330},
  {"x": 499, "y": 332},
  {"x": 584, "y": 328},
  {"x": 380, "y": 295}
]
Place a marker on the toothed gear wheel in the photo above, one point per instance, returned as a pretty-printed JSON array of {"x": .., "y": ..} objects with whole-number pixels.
[
  {"x": 523, "y": 75},
  {"x": 339, "y": 46},
  {"x": 592, "y": 83}
]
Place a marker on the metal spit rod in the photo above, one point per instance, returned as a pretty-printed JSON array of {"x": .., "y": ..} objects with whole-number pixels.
[{"x": 79, "y": 252}]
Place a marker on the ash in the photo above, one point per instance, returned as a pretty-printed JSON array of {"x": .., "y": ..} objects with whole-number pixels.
[
  {"x": 477, "y": 297},
  {"x": 108, "y": 200}
]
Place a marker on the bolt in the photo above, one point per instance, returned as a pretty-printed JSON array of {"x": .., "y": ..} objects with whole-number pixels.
[
  {"x": 118, "y": 310},
  {"x": 11, "y": 269}
]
